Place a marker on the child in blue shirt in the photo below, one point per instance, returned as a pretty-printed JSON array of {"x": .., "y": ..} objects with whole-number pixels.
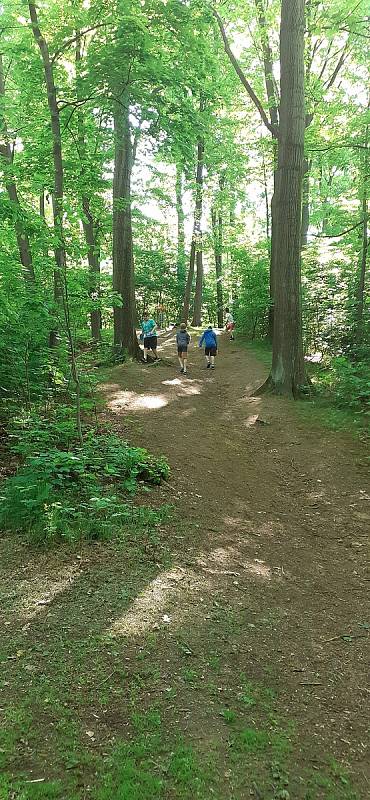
[
  {"x": 149, "y": 336},
  {"x": 210, "y": 346}
]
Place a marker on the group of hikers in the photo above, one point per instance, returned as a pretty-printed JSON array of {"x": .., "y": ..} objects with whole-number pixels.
[{"x": 208, "y": 340}]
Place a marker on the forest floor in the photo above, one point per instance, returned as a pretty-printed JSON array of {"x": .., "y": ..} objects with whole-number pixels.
[{"x": 221, "y": 655}]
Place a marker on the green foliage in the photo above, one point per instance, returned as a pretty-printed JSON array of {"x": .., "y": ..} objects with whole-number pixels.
[
  {"x": 251, "y": 307},
  {"x": 78, "y": 492},
  {"x": 346, "y": 382}
]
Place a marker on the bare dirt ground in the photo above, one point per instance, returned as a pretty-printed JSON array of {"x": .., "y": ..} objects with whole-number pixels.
[
  {"x": 283, "y": 514},
  {"x": 257, "y": 615}
]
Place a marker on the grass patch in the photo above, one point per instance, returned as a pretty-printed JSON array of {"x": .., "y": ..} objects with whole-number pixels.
[{"x": 336, "y": 405}]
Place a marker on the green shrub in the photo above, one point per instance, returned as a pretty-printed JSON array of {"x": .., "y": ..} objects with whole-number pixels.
[
  {"x": 347, "y": 382},
  {"x": 77, "y": 493}
]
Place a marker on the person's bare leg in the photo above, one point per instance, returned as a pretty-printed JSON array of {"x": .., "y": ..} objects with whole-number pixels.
[
  {"x": 145, "y": 354},
  {"x": 212, "y": 362},
  {"x": 181, "y": 363},
  {"x": 155, "y": 354},
  {"x": 184, "y": 363}
]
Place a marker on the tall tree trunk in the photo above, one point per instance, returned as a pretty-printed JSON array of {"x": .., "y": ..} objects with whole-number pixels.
[
  {"x": 288, "y": 371},
  {"x": 217, "y": 230},
  {"x": 267, "y": 205},
  {"x": 60, "y": 272},
  {"x": 360, "y": 294},
  {"x": 273, "y": 104},
  {"x": 198, "y": 296},
  {"x": 93, "y": 257},
  {"x": 196, "y": 243},
  {"x": 89, "y": 224},
  {"x": 305, "y": 202},
  {"x": 180, "y": 265},
  {"x": 123, "y": 259},
  {"x": 23, "y": 242},
  {"x": 57, "y": 198},
  {"x": 189, "y": 280}
]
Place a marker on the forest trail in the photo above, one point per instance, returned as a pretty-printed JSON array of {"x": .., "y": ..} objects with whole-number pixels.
[
  {"x": 222, "y": 655},
  {"x": 279, "y": 516}
]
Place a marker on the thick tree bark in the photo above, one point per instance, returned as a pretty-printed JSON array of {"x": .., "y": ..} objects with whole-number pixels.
[
  {"x": 273, "y": 104},
  {"x": 360, "y": 294},
  {"x": 123, "y": 259},
  {"x": 189, "y": 280},
  {"x": 217, "y": 230},
  {"x": 305, "y": 202},
  {"x": 57, "y": 198},
  {"x": 196, "y": 243},
  {"x": 93, "y": 257},
  {"x": 23, "y": 241},
  {"x": 288, "y": 371},
  {"x": 180, "y": 264},
  {"x": 89, "y": 224},
  {"x": 198, "y": 296}
]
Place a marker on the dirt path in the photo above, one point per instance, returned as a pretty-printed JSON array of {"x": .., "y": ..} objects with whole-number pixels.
[
  {"x": 229, "y": 648},
  {"x": 281, "y": 516}
]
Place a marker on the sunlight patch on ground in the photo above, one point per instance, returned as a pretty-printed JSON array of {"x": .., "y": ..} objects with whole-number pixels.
[
  {"x": 158, "y": 604},
  {"x": 230, "y": 561},
  {"x": 187, "y": 389},
  {"x": 131, "y": 401},
  {"x": 35, "y": 596}
]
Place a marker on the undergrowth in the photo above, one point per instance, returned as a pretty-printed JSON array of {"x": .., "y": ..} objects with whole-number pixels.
[{"x": 66, "y": 490}]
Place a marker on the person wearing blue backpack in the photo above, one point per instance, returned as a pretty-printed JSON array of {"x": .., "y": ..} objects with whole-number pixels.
[{"x": 210, "y": 346}]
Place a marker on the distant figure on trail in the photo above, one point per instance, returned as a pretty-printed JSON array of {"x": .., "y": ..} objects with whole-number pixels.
[
  {"x": 183, "y": 340},
  {"x": 229, "y": 323},
  {"x": 149, "y": 336},
  {"x": 210, "y": 346}
]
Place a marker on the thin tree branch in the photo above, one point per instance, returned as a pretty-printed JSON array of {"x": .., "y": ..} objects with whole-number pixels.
[
  {"x": 337, "y": 235},
  {"x": 271, "y": 89},
  {"x": 74, "y": 39},
  {"x": 326, "y": 59},
  {"x": 274, "y": 130},
  {"x": 335, "y": 147},
  {"x": 338, "y": 67}
]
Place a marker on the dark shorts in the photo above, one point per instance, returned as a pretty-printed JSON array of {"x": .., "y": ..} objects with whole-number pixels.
[
  {"x": 181, "y": 350},
  {"x": 150, "y": 342},
  {"x": 211, "y": 351}
]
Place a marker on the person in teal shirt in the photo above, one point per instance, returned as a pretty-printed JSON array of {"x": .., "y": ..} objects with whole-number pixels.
[{"x": 149, "y": 335}]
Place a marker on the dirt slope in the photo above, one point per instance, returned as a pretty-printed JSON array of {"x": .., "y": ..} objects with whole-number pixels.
[
  {"x": 283, "y": 515},
  {"x": 245, "y": 626}
]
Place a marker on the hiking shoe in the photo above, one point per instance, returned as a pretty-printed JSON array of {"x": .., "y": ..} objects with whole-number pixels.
[
  {"x": 182, "y": 370},
  {"x": 208, "y": 366},
  {"x": 212, "y": 366}
]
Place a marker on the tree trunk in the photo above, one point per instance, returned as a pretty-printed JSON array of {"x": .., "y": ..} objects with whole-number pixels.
[
  {"x": 180, "y": 265},
  {"x": 288, "y": 372},
  {"x": 189, "y": 280},
  {"x": 93, "y": 251},
  {"x": 60, "y": 271},
  {"x": 273, "y": 104},
  {"x": 89, "y": 224},
  {"x": 198, "y": 297},
  {"x": 359, "y": 312},
  {"x": 57, "y": 199},
  {"x": 196, "y": 243},
  {"x": 123, "y": 259},
  {"x": 305, "y": 202},
  {"x": 23, "y": 242},
  {"x": 217, "y": 230}
]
